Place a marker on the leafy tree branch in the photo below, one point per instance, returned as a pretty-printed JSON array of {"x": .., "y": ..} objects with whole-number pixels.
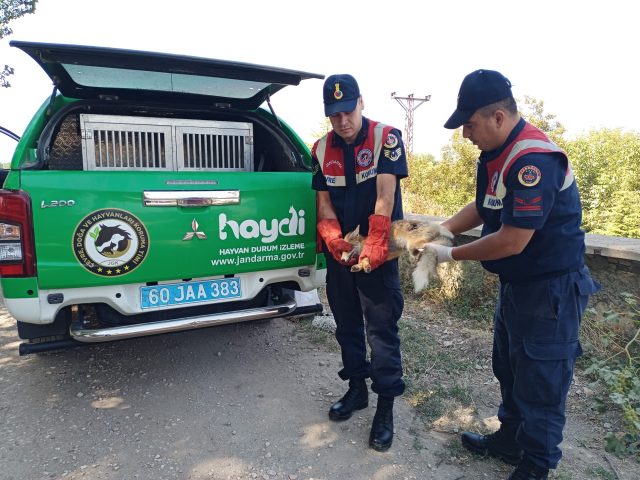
[{"x": 10, "y": 10}]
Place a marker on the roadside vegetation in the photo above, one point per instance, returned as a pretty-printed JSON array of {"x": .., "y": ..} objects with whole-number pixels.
[{"x": 613, "y": 362}]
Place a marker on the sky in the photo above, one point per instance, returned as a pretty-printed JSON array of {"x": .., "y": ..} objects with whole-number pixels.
[{"x": 579, "y": 58}]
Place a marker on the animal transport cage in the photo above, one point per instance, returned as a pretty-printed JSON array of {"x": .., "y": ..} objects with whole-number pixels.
[{"x": 111, "y": 142}]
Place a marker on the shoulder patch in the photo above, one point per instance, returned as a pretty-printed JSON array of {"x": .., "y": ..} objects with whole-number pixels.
[
  {"x": 391, "y": 141},
  {"x": 393, "y": 155},
  {"x": 529, "y": 176}
]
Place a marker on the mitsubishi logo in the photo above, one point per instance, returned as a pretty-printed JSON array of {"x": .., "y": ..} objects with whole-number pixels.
[{"x": 194, "y": 232}]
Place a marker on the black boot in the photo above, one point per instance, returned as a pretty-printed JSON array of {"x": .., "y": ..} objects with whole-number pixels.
[
  {"x": 501, "y": 444},
  {"x": 529, "y": 471},
  {"x": 382, "y": 427},
  {"x": 356, "y": 398}
]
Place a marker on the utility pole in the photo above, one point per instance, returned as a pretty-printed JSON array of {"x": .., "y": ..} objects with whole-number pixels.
[{"x": 409, "y": 104}]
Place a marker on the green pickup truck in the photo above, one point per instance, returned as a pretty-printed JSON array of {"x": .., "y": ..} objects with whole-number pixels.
[{"x": 152, "y": 193}]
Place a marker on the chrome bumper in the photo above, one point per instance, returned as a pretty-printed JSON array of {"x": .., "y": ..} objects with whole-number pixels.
[{"x": 153, "y": 328}]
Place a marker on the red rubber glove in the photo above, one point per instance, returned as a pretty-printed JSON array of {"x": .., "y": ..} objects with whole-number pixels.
[
  {"x": 331, "y": 233},
  {"x": 376, "y": 247}
]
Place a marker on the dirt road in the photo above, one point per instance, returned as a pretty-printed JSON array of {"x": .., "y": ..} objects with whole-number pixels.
[
  {"x": 233, "y": 402},
  {"x": 245, "y": 401}
]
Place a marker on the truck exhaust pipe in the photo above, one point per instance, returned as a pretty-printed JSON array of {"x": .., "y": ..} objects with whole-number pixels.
[{"x": 26, "y": 348}]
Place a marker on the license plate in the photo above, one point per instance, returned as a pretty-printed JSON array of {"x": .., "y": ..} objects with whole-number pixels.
[{"x": 186, "y": 293}]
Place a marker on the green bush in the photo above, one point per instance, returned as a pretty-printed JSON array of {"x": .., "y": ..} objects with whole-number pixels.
[
  {"x": 606, "y": 164},
  {"x": 617, "y": 369},
  {"x": 441, "y": 188}
]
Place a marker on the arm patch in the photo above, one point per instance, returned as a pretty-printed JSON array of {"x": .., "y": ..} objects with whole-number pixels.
[{"x": 527, "y": 203}]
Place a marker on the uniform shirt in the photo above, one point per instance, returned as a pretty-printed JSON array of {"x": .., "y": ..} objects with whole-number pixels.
[
  {"x": 540, "y": 195},
  {"x": 354, "y": 201}
]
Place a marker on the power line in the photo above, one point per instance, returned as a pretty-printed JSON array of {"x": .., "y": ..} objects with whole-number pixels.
[{"x": 409, "y": 104}]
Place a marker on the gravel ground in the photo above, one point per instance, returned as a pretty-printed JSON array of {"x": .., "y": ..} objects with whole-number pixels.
[
  {"x": 232, "y": 402},
  {"x": 246, "y": 401}
]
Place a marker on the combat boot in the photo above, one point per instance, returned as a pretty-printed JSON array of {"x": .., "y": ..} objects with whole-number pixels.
[
  {"x": 381, "y": 435},
  {"x": 356, "y": 398},
  {"x": 529, "y": 471},
  {"x": 501, "y": 444}
]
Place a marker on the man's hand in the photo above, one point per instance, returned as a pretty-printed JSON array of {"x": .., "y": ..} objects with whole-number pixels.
[
  {"x": 331, "y": 233},
  {"x": 443, "y": 252},
  {"x": 376, "y": 247}
]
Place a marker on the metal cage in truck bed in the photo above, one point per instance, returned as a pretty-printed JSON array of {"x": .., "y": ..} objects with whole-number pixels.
[{"x": 112, "y": 142}]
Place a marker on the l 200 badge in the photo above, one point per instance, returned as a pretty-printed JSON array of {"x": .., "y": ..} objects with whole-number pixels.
[{"x": 110, "y": 242}]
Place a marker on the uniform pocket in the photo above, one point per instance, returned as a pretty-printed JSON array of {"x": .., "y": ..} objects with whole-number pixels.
[
  {"x": 545, "y": 370},
  {"x": 552, "y": 351},
  {"x": 529, "y": 311},
  {"x": 532, "y": 299},
  {"x": 587, "y": 286}
]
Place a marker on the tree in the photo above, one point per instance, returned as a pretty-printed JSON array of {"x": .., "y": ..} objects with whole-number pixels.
[
  {"x": 442, "y": 188},
  {"x": 415, "y": 192},
  {"x": 606, "y": 163},
  {"x": 10, "y": 10},
  {"x": 533, "y": 112},
  {"x": 324, "y": 127}
]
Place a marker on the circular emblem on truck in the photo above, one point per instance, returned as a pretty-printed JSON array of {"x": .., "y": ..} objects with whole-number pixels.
[{"x": 110, "y": 242}]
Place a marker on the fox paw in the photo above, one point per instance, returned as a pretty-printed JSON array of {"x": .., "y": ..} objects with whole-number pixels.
[{"x": 362, "y": 265}]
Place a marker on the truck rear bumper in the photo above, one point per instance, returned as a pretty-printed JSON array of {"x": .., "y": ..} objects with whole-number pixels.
[
  {"x": 125, "y": 299},
  {"x": 153, "y": 328},
  {"x": 81, "y": 336}
]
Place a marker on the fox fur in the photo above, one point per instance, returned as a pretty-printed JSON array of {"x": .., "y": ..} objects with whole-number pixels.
[{"x": 407, "y": 237}]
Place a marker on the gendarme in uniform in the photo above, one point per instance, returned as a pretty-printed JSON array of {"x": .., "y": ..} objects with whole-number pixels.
[
  {"x": 528, "y": 203},
  {"x": 366, "y": 306}
]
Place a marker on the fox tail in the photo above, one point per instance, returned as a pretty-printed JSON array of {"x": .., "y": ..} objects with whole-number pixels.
[{"x": 425, "y": 269}]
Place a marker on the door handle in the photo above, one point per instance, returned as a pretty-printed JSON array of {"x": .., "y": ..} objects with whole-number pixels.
[{"x": 190, "y": 198}]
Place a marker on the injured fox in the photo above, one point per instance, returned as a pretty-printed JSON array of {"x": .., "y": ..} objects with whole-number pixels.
[{"x": 407, "y": 236}]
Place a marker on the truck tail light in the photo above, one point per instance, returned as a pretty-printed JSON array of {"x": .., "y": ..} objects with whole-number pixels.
[{"x": 17, "y": 256}]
